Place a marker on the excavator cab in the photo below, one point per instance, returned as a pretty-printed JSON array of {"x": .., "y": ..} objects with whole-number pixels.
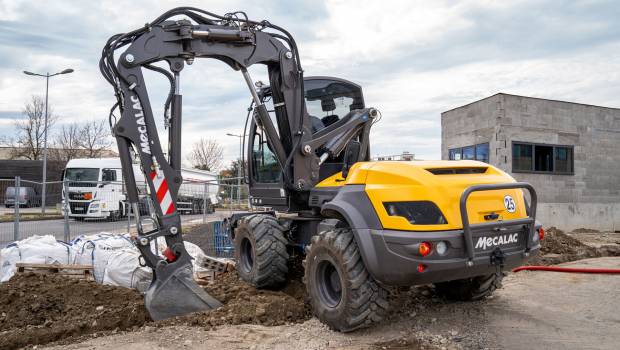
[{"x": 328, "y": 100}]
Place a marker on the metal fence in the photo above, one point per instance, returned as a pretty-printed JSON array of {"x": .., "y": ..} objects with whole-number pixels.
[{"x": 73, "y": 208}]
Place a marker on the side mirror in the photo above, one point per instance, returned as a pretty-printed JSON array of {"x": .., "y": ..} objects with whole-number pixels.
[{"x": 351, "y": 156}]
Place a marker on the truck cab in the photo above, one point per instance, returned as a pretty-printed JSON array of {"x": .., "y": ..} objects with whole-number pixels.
[{"x": 95, "y": 188}]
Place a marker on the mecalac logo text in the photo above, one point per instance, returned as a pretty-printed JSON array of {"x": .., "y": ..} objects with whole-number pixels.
[
  {"x": 487, "y": 242},
  {"x": 144, "y": 136}
]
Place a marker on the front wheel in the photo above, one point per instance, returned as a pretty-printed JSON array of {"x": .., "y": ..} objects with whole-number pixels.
[
  {"x": 342, "y": 293},
  {"x": 260, "y": 251},
  {"x": 470, "y": 289}
]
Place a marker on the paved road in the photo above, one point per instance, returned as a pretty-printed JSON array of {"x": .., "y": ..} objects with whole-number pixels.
[{"x": 76, "y": 228}]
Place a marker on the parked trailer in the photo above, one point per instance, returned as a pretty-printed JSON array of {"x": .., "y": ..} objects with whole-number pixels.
[
  {"x": 198, "y": 192},
  {"x": 96, "y": 190}
]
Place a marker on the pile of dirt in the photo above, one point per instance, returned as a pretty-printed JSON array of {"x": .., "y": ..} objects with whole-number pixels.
[
  {"x": 557, "y": 247},
  {"x": 245, "y": 304},
  {"x": 44, "y": 308},
  {"x": 586, "y": 230},
  {"x": 40, "y": 308}
]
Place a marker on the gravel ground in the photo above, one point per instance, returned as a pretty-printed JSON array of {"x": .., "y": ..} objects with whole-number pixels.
[
  {"x": 534, "y": 310},
  {"x": 539, "y": 305}
]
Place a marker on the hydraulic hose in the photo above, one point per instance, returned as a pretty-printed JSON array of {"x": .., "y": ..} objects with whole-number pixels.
[{"x": 567, "y": 269}]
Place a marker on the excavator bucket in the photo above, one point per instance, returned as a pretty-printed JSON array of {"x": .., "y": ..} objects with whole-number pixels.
[{"x": 173, "y": 292}]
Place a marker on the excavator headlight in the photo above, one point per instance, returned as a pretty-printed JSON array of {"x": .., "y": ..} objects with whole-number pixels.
[{"x": 417, "y": 212}]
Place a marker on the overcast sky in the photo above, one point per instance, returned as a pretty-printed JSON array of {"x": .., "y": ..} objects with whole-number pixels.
[{"x": 414, "y": 59}]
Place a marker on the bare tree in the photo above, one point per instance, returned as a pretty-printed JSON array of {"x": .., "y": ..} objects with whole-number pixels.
[
  {"x": 95, "y": 138},
  {"x": 206, "y": 154},
  {"x": 29, "y": 137},
  {"x": 67, "y": 143}
]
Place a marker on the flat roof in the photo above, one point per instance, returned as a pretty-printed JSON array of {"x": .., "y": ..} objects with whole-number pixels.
[{"x": 529, "y": 97}]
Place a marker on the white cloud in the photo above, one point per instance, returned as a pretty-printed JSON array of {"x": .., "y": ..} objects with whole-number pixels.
[{"x": 414, "y": 59}]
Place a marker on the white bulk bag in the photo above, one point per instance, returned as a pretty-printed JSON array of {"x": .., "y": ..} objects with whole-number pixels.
[
  {"x": 9, "y": 256},
  {"x": 34, "y": 250},
  {"x": 104, "y": 248},
  {"x": 123, "y": 269}
]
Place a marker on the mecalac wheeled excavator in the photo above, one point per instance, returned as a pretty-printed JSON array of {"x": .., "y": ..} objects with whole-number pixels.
[{"x": 361, "y": 225}]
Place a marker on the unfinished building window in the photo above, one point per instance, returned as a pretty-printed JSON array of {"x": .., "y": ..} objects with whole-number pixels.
[
  {"x": 455, "y": 154},
  {"x": 476, "y": 152},
  {"x": 543, "y": 158},
  {"x": 469, "y": 153},
  {"x": 563, "y": 160},
  {"x": 537, "y": 158},
  {"x": 521, "y": 157},
  {"x": 482, "y": 152}
]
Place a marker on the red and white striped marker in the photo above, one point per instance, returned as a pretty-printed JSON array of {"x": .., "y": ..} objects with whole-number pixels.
[{"x": 163, "y": 193}]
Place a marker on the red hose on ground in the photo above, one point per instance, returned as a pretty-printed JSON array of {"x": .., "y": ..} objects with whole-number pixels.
[{"x": 566, "y": 269}]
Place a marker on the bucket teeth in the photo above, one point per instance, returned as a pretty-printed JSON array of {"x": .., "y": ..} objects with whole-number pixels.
[{"x": 173, "y": 293}]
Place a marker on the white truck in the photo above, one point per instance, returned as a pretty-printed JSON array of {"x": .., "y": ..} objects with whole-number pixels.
[{"x": 96, "y": 190}]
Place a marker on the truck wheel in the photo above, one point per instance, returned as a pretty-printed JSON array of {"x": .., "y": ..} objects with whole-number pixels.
[
  {"x": 342, "y": 293},
  {"x": 114, "y": 215},
  {"x": 197, "y": 207},
  {"x": 260, "y": 251},
  {"x": 470, "y": 289}
]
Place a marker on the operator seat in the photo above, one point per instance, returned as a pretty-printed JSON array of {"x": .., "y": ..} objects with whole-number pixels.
[
  {"x": 328, "y": 105},
  {"x": 317, "y": 124}
]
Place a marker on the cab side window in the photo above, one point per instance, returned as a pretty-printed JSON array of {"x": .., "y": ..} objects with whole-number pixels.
[
  {"x": 108, "y": 175},
  {"x": 264, "y": 162}
]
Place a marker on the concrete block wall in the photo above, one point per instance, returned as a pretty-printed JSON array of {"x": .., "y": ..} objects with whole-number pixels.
[{"x": 591, "y": 196}]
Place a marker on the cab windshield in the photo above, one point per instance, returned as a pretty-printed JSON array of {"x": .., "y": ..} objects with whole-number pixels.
[
  {"x": 327, "y": 101},
  {"x": 82, "y": 174}
]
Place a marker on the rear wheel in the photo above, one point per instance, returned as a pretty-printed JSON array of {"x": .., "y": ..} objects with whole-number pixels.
[
  {"x": 260, "y": 250},
  {"x": 470, "y": 289},
  {"x": 197, "y": 207},
  {"x": 114, "y": 215},
  {"x": 342, "y": 293}
]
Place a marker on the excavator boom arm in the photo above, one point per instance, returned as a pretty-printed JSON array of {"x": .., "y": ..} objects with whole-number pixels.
[{"x": 240, "y": 43}]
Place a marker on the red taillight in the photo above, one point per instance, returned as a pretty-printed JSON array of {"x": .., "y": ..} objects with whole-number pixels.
[
  {"x": 424, "y": 248},
  {"x": 421, "y": 268},
  {"x": 541, "y": 233}
]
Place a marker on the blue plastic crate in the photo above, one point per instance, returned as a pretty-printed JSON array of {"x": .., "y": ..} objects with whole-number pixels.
[{"x": 223, "y": 244}]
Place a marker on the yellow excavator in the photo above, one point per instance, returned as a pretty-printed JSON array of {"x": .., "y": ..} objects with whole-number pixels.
[{"x": 361, "y": 226}]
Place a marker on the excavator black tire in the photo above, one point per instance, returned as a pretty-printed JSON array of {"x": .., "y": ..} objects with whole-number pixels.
[
  {"x": 470, "y": 289},
  {"x": 260, "y": 251},
  {"x": 342, "y": 293}
]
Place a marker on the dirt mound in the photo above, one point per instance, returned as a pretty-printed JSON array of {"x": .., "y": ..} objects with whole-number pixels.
[
  {"x": 586, "y": 230},
  {"x": 245, "y": 304},
  {"x": 558, "y": 247},
  {"x": 38, "y": 309}
]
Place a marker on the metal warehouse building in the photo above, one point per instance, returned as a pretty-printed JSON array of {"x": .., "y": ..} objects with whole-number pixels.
[{"x": 569, "y": 152}]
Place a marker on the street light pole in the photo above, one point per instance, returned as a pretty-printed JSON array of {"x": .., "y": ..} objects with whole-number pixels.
[
  {"x": 239, "y": 166},
  {"x": 43, "y": 190},
  {"x": 47, "y": 85}
]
